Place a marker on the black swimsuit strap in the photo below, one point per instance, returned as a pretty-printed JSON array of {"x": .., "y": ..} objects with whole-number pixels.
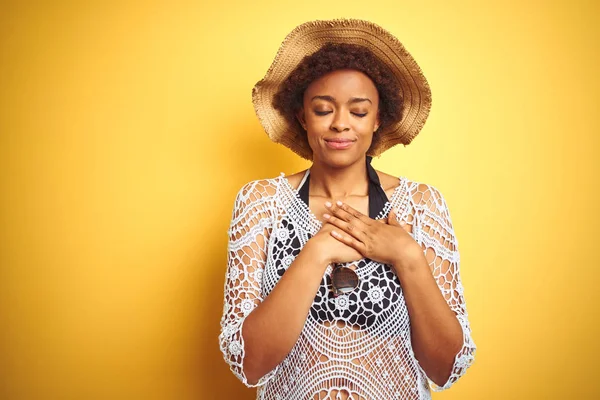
[{"x": 377, "y": 196}]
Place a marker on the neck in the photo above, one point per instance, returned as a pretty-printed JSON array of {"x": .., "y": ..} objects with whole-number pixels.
[{"x": 339, "y": 183}]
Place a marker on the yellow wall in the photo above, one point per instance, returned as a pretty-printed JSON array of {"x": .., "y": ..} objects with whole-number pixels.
[{"x": 127, "y": 128}]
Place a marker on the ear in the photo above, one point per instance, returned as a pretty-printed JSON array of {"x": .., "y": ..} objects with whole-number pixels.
[
  {"x": 300, "y": 117},
  {"x": 377, "y": 122}
]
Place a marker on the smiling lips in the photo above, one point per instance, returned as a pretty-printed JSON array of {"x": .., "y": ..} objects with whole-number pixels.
[{"x": 339, "y": 143}]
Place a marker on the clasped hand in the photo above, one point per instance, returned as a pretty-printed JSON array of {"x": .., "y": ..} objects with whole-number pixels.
[{"x": 384, "y": 240}]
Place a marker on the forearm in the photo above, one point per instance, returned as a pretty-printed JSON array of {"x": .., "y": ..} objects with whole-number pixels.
[
  {"x": 272, "y": 329},
  {"x": 436, "y": 333}
]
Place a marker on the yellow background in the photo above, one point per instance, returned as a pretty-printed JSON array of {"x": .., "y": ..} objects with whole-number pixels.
[{"x": 126, "y": 128}]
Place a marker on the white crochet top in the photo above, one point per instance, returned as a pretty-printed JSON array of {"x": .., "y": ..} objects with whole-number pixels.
[{"x": 354, "y": 346}]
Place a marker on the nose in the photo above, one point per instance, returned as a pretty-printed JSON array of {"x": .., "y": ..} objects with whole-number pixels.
[{"x": 340, "y": 122}]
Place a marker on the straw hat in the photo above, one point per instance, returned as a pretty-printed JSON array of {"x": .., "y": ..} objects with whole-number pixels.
[{"x": 309, "y": 37}]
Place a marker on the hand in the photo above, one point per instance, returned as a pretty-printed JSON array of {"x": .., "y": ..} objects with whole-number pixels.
[
  {"x": 329, "y": 250},
  {"x": 385, "y": 240}
]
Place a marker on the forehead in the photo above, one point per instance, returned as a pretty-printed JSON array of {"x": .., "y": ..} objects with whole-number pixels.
[{"x": 343, "y": 83}]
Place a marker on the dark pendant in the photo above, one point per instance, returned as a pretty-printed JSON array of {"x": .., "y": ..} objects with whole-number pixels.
[{"x": 343, "y": 280}]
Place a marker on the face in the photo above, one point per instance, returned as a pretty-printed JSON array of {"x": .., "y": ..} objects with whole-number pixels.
[{"x": 340, "y": 114}]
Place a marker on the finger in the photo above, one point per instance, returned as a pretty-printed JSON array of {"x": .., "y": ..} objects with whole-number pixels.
[
  {"x": 401, "y": 224},
  {"x": 347, "y": 213},
  {"x": 405, "y": 226},
  {"x": 349, "y": 241},
  {"x": 347, "y": 227},
  {"x": 393, "y": 218}
]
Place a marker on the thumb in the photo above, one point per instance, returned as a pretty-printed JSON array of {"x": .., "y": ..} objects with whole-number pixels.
[{"x": 393, "y": 218}]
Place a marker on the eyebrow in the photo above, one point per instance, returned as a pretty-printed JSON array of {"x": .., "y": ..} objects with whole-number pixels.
[{"x": 351, "y": 101}]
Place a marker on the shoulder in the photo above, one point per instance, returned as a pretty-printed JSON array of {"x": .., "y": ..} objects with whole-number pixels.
[
  {"x": 423, "y": 195},
  {"x": 254, "y": 205},
  {"x": 295, "y": 179},
  {"x": 388, "y": 182},
  {"x": 257, "y": 191},
  {"x": 426, "y": 196}
]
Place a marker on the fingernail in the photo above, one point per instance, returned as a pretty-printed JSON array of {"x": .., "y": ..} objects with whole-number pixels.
[
  {"x": 327, "y": 204},
  {"x": 339, "y": 203},
  {"x": 402, "y": 223},
  {"x": 326, "y": 216}
]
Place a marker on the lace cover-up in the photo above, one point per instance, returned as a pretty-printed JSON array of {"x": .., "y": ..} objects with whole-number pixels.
[{"x": 355, "y": 346}]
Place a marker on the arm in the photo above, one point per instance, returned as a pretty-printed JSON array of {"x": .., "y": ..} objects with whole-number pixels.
[
  {"x": 441, "y": 336},
  {"x": 258, "y": 333}
]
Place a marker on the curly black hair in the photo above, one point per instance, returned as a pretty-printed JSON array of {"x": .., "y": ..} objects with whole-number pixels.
[{"x": 333, "y": 56}]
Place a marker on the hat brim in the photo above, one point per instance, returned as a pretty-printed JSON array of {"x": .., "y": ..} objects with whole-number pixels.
[{"x": 309, "y": 37}]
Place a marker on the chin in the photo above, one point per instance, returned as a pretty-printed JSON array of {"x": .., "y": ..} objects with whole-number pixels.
[{"x": 340, "y": 158}]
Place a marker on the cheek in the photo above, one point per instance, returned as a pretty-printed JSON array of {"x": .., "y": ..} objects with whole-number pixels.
[
  {"x": 372, "y": 121},
  {"x": 318, "y": 123},
  {"x": 366, "y": 127},
  {"x": 366, "y": 132},
  {"x": 367, "y": 139},
  {"x": 316, "y": 128},
  {"x": 312, "y": 139}
]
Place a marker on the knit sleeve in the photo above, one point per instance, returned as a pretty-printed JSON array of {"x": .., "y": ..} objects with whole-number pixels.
[
  {"x": 434, "y": 231},
  {"x": 249, "y": 232}
]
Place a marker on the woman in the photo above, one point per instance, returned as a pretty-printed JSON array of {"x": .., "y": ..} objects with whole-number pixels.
[{"x": 343, "y": 281}]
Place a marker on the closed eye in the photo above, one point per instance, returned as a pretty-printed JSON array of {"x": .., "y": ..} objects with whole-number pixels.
[{"x": 322, "y": 113}]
